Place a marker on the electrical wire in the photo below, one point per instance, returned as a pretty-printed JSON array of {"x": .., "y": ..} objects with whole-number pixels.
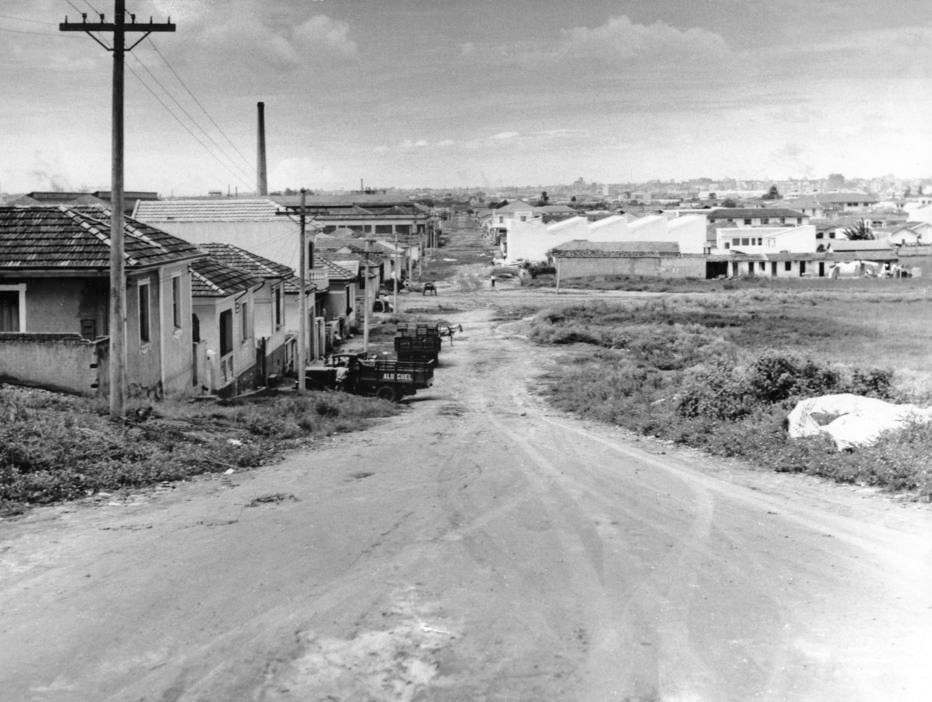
[
  {"x": 193, "y": 121},
  {"x": 248, "y": 163},
  {"x": 185, "y": 126}
]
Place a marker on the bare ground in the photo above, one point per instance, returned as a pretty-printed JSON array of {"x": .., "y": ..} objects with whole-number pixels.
[{"x": 481, "y": 547}]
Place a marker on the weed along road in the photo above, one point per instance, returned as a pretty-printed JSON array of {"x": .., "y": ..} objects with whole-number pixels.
[{"x": 478, "y": 546}]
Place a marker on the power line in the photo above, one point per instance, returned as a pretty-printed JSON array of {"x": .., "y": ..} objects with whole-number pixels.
[
  {"x": 185, "y": 126},
  {"x": 198, "y": 102},
  {"x": 30, "y": 21},
  {"x": 26, "y": 31},
  {"x": 188, "y": 114}
]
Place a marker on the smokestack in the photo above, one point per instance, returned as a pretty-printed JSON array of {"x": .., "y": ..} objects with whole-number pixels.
[{"x": 262, "y": 183}]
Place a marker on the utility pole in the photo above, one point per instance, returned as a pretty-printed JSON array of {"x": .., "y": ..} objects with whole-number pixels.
[
  {"x": 302, "y": 300},
  {"x": 120, "y": 28},
  {"x": 367, "y": 306},
  {"x": 395, "y": 273}
]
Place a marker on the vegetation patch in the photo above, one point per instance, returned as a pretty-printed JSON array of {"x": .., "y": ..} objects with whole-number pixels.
[
  {"x": 722, "y": 375},
  {"x": 57, "y": 447}
]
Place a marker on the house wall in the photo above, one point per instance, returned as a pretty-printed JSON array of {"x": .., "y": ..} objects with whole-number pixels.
[
  {"x": 276, "y": 240},
  {"x": 57, "y": 305},
  {"x": 667, "y": 266},
  {"x": 243, "y": 353},
  {"x": 176, "y": 342},
  {"x": 801, "y": 239},
  {"x": 59, "y": 362}
]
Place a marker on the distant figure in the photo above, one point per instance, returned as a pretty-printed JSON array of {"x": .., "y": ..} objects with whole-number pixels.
[{"x": 492, "y": 280}]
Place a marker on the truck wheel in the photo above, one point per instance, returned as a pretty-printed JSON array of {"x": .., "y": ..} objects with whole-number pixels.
[{"x": 386, "y": 392}]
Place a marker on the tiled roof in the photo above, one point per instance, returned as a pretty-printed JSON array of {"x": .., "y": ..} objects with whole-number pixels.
[
  {"x": 251, "y": 210},
  {"x": 78, "y": 238},
  {"x": 333, "y": 270},
  {"x": 211, "y": 278},
  {"x": 246, "y": 261},
  {"x": 53, "y": 199},
  {"x": 752, "y": 212},
  {"x": 579, "y": 248}
]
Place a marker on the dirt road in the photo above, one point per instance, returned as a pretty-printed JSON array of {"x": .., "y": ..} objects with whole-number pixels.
[{"x": 477, "y": 547}]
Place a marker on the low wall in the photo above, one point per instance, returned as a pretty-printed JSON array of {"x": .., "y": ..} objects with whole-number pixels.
[
  {"x": 62, "y": 362},
  {"x": 654, "y": 266}
]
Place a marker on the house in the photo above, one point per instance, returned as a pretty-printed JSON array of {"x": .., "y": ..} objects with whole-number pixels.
[
  {"x": 338, "y": 309},
  {"x": 54, "y": 302},
  {"x": 912, "y": 234},
  {"x": 254, "y": 224},
  {"x": 747, "y": 240},
  {"x": 276, "y": 343},
  {"x": 223, "y": 300},
  {"x": 756, "y": 216}
]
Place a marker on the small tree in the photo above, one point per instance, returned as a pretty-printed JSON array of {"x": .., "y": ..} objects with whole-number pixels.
[
  {"x": 772, "y": 194},
  {"x": 860, "y": 231},
  {"x": 728, "y": 202}
]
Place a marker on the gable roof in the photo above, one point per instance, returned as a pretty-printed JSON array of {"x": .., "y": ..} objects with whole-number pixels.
[
  {"x": 78, "y": 238},
  {"x": 246, "y": 261},
  {"x": 246, "y": 210},
  {"x": 211, "y": 278}
]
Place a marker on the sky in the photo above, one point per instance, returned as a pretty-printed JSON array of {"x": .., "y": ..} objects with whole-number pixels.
[{"x": 486, "y": 93}]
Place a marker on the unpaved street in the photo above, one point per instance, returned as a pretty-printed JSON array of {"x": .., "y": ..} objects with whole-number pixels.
[{"x": 477, "y": 547}]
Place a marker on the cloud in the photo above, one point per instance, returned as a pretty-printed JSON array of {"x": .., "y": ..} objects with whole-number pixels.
[
  {"x": 331, "y": 34},
  {"x": 620, "y": 38},
  {"x": 504, "y": 136}
]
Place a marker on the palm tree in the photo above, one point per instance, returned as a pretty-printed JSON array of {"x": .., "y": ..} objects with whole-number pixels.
[{"x": 859, "y": 231}]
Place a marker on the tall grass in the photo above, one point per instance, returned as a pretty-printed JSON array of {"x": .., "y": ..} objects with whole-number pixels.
[
  {"x": 55, "y": 447},
  {"x": 721, "y": 373}
]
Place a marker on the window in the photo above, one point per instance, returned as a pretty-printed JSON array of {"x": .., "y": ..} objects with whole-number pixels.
[
  {"x": 10, "y": 309},
  {"x": 802, "y": 267},
  {"x": 383, "y": 228},
  {"x": 747, "y": 221},
  {"x": 745, "y": 241},
  {"x": 782, "y": 220},
  {"x": 144, "y": 331},
  {"x": 727, "y": 245},
  {"x": 278, "y": 312},
  {"x": 176, "y": 301},
  {"x": 788, "y": 265},
  {"x": 244, "y": 321},
  {"x": 403, "y": 229},
  {"x": 226, "y": 332},
  {"x": 765, "y": 220},
  {"x": 736, "y": 242},
  {"x": 760, "y": 241},
  {"x": 762, "y": 265}
]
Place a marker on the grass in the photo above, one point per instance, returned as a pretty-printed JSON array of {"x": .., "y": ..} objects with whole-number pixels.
[
  {"x": 720, "y": 371},
  {"x": 56, "y": 447}
]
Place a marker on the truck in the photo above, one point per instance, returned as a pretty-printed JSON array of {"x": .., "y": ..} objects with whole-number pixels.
[
  {"x": 356, "y": 373},
  {"x": 418, "y": 342}
]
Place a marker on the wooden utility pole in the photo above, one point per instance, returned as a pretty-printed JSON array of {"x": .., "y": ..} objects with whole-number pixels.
[
  {"x": 120, "y": 28},
  {"x": 367, "y": 306},
  {"x": 302, "y": 301}
]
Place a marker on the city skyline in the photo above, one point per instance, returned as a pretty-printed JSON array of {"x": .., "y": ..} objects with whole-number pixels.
[{"x": 454, "y": 94}]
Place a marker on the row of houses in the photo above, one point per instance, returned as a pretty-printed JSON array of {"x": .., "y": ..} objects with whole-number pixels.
[
  {"x": 772, "y": 241},
  {"x": 205, "y": 313}
]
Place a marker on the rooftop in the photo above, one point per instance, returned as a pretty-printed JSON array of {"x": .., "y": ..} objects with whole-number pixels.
[{"x": 78, "y": 238}]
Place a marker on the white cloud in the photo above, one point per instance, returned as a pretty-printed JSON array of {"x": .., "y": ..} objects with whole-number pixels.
[
  {"x": 504, "y": 136},
  {"x": 621, "y": 38},
  {"x": 321, "y": 30}
]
